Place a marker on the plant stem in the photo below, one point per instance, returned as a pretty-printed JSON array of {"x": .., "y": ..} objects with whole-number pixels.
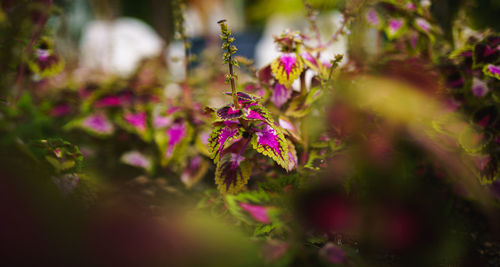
[
  {"x": 303, "y": 89},
  {"x": 339, "y": 31},
  {"x": 188, "y": 95},
  {"x": 233, "y": 85}
]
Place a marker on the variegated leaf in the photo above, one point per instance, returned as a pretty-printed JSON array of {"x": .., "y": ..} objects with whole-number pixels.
[
  {"x": 492, "y": 71},
  {"x": 255, "y": 111},
  {"x": 232, "y": 173},
  {"x": 395, "y": 28},
  {"x": 287, "y": 68},
  {"x": 96, "y": 124},
  {"x": 270, "y": 141},
  {"x": 222, "y": 135},
  {"x": 228, "y": 112}
]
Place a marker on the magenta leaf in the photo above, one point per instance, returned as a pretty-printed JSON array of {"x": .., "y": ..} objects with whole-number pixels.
[
  {"x": 492, "y": 71},
  {"x": 137, "y": 120},
  {"x": 175, "y": 134},
  {"x": 108, "y": 101},
  {"x": 395, "y": 28},
  {"x": 259, "y": 213},
  {"x": 372, "y": 17},
  {"x": 280, "y": 95},
  {"x": 269, "y": 141},
  {"x": 97, "y": 124},
  {"x": 223, "y": 136}
]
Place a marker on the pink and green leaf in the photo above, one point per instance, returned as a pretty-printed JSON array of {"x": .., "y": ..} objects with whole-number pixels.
[
  {"x": 270, "y": 141},
  {"x": 255, "y": 111},
  {"x": 492, "y": 71},
  {"x": 96, "y": 124},
  {"x": 395, "y": 28},
  {"x": 287, "y": 68},
  {"x": 221, "y": 137},
  {"x": 173, "y": 141}
]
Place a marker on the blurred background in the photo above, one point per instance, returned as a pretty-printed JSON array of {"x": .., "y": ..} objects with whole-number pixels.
[{"x": 106, "y": 110}]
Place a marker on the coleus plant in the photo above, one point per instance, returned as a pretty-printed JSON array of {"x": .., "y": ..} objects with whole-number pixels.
[
  {"x": 472, "y": 76},
  {"x": 242, "y": 125}
]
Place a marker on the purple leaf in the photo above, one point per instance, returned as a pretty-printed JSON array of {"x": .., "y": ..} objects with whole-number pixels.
[
  {"x": 228, "y": 113},
  {"x": 265, "y": 74},
  {"x": 485, "y": 54},
  {"x": 479, "y": 88},
  {"x": 280, "y": 95},
  {"x": 45, "y": 63},
  {"x": 232, "y": 173}
]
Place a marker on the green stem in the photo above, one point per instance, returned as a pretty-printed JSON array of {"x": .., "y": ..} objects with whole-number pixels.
[
  {"x": 303, "y": 89},
  {"x": 233, "y": 85}
]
